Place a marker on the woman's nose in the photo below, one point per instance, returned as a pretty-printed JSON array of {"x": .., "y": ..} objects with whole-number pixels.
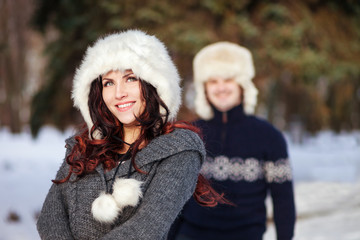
[{"x": 121, "y": 91}]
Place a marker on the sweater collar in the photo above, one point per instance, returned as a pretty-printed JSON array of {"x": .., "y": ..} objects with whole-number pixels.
[
  {"x": 235, "y": 114},
  {"x": 164, "y": 146},
  {"x": 170, "y": 144}
]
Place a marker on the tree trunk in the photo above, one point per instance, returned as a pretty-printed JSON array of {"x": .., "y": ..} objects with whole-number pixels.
[{"x": 14, "y": 30}]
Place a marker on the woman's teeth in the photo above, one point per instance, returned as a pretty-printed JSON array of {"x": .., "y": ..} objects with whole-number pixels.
[{"x": 124, "y": 105}]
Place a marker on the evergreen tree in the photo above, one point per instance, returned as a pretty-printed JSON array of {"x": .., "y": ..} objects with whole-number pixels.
[{"x": 306, "y": 53}]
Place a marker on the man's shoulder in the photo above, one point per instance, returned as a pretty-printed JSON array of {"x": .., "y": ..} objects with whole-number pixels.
[
  {"x": 264, "y": 127},
  {"x": 262, "y": 122}
]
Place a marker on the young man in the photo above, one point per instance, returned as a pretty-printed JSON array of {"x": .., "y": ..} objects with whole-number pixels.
[{"x": 246, "y": 156}]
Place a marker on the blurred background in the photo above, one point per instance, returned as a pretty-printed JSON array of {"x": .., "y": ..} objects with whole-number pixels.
[{"x": 307, "y": 60}]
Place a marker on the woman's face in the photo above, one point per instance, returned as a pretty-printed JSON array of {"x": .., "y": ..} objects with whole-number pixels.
[
  {"x": 223, "y": 94},
  {"x": 123, "y": 97}
]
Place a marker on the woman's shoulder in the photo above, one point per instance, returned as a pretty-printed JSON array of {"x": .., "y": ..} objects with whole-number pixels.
[
  {"x": 182, "y": 134},
  {"x": 184, "y": 138},
  {"x": 173, "y": 143},
  {"x": 70, "y": 142}
]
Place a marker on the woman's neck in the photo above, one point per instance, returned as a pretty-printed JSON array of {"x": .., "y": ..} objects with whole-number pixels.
[{"x": 131, "y": 134}]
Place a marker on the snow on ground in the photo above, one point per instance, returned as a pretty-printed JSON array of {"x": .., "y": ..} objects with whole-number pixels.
[
  {"x": 327, "y": 186},
  {"x": 26, "y": 168},
  {"x": 326, "y": 172}
]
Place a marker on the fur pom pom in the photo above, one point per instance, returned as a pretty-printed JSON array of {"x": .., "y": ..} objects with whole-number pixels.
[
  {"x": 127, "y": 192},
  {"x": 105, "y": 209}
]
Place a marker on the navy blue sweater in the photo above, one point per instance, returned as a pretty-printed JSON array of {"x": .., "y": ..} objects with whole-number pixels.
[{"x": 246, "y": 158}]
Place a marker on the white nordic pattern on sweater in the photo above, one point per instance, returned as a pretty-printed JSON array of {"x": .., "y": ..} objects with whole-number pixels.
[{"x": 222, "y": 168}]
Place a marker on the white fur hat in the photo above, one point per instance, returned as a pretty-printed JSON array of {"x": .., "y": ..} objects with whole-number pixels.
[
  {"x": 226, "y": 60},
  {"x": 145, "y": 55}
]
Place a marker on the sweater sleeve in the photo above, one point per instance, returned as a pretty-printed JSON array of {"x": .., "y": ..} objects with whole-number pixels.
[
  {"x": 53, "y": 222},
  {"x": 172, "y": 185},
  {"x": 279, "y": 177}
]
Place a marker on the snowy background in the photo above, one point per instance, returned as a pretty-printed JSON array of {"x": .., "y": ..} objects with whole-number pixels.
[{"x": 326, "y": 172}]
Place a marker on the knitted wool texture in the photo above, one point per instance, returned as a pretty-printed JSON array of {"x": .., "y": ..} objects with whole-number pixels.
[{"x": 172, "y": 163}]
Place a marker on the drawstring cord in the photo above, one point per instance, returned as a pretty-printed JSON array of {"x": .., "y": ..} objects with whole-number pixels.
[
  {"x": 122, "y": 159},
  {"x": 123, "y": 192}
]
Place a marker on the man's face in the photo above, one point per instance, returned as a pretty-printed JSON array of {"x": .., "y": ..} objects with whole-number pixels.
[{"x": 223, "y": 93}]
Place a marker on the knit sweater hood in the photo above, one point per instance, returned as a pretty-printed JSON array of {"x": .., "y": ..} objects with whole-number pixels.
[{"x": 159, "y": 148}]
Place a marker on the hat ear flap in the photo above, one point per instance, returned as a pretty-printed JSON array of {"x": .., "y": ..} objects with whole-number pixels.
[
  {"x": 127, "y": 192},
  {"x": 104, "y": 208}
]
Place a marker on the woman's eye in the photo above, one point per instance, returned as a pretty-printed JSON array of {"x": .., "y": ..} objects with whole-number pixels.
[
  {"x": 106, "y": 84},
  {"x": 131, "y": 79}
]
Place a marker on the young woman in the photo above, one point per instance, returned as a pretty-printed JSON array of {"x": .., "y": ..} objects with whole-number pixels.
[{"x": 129, "y": 172}]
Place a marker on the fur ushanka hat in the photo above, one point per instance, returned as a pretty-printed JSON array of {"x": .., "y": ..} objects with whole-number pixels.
[
  {"x": 226, "y": 60},
  {"x": 145, "y": 55}
]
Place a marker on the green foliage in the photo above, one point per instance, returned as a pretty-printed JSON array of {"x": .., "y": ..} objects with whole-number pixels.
[
  {"x": 275, "y": 12},
  {"x": 246, "y": 27},
  {"x": 295, "y": 46}
]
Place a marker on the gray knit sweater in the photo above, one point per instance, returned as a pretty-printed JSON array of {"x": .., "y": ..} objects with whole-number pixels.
[{"x": 172, "y": 162}]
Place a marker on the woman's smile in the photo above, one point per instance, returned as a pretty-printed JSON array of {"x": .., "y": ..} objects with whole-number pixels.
[{"x": 123, "y": 107}]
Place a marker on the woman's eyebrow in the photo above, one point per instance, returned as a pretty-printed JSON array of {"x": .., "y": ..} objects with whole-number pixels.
[
  {"x": 124, "y": 76},
  {"x": 106, "y": 79},
  {"x": 128, "y": 74}
]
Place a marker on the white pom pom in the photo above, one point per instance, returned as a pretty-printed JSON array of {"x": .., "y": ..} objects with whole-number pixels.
[
  {"x": 104, "y": 208},
  {"x": 127, "y": 192}
]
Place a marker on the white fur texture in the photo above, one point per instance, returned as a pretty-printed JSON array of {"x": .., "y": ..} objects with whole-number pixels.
[
  {"x": 127, "y": 192},
  {"x": 105, "y": 209},
  {"x": 226, "y": 60},
  {"x": 145, "y": 55}
]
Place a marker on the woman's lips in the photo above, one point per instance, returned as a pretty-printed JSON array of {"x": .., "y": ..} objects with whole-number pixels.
[{"x": 123, "y": 107}]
